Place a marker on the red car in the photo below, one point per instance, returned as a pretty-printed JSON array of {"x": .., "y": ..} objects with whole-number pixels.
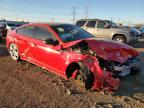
[{"x": 71, "y": 52}]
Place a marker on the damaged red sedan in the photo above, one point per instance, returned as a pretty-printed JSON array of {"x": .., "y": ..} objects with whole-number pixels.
[{"x": 71, "y": 52}]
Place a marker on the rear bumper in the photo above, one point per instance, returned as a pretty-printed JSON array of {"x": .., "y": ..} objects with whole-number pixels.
[{"x": 132, "y": 39}]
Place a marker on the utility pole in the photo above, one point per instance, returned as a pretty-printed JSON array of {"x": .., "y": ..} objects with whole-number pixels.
[
  {"x": 74, "y": 14},
  {"x": 86, "y": 13},
  {"x": 52, "y": 20}
]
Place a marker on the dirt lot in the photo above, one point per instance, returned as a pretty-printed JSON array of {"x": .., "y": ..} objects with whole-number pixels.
[{"x": 25, "y": 85}]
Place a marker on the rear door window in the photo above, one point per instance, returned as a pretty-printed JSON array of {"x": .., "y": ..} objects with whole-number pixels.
[
  {"x": 80, "y": 23},
  {"x": 91, "y": 24},
  {"x": 27, "y": 31},
  {"x": 43, "y": 34}
]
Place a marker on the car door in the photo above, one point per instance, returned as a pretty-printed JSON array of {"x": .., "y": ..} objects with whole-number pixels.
[
  {"x": 26, "y": 42},
  {"x": 102, "y": 30},
  {"x": 47, "y": 55},
  {"x": 90, "y": 27}
]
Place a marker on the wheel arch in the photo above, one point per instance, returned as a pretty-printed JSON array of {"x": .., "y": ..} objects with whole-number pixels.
[
  {"x": 123, "y": 35},
  {"x": 71, "y": 68},
  {"x": 114, "y": 35}
]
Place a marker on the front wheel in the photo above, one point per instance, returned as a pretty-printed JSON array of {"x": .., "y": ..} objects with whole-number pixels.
[
  {"x": 85, "y": 77},
  {"x": 13, "y": 50},
  {"x": 120, "y": 39}
]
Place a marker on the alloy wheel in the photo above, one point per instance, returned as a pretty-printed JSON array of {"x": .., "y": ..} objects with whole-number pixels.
[{"x": 13, "y": 50}]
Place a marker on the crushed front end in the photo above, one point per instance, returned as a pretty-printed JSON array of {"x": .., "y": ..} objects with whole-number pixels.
[
  {"x": 103, "y": 79},
  {"x": 130, "y": 67},
  {"x": 107, "y": 61}
]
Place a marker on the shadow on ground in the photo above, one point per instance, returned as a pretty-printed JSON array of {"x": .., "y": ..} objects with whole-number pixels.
[{"x": 3, "y": 49}]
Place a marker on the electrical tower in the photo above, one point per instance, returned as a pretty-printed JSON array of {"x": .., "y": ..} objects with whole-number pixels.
[
  {"x": 87, "y": 13},
  {"x": 74, "y": 14}
]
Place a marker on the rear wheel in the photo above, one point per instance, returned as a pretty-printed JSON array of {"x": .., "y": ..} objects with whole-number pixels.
[
  {"x": 13, "y": 50},
  {"x": 120, "y": 39}
]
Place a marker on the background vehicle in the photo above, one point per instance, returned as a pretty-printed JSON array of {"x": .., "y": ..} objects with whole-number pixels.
[
  {"x": 104, "y": 29},
  {"x": 142, "y": 31},
  {"x": 5, "y": 26},
  {"x": 3, "y": 29},
  {"x": 71, "y": 52},
  {"x": 135, "y": 32},
  {"x": 0, "y": 35}
]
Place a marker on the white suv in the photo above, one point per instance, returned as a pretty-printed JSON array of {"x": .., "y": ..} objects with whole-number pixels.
[{"x": 104, "y": 29}]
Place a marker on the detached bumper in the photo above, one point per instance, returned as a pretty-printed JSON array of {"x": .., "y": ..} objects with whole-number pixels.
[
  {"x": 107, "y": 82},
  {"x": 102, "y": 79},
  {"x": 124, "y": 70}
]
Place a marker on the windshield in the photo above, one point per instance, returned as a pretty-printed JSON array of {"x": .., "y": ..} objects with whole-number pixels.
[{"x": 69, "y": 33}]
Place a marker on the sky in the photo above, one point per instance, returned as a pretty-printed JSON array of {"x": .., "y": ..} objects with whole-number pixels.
[{"x": 125, "y": 11}]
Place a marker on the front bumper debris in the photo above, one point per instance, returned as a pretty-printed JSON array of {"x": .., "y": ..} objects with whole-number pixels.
[
  {"x": 103, "y": 80},
  {"x": 127, "y": 69},
  {"x": 123, "y": 68}
]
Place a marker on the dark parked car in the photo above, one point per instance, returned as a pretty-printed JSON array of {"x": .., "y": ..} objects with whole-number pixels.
[
  {"x": 3, "y": 29},
  {"x": 71, "y": 52},
  {"x": 0, "y": 35},
  {"x": 6, "y": 26},
  {"x": 142, "y": 31}
]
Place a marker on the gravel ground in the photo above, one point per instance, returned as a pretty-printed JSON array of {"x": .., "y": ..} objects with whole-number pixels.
[{"x": 24, "y": 85}]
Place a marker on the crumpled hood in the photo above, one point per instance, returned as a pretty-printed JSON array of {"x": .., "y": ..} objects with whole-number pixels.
[
  {"x": 112, "y": 51},
  {"x": 108, "y": 50}
]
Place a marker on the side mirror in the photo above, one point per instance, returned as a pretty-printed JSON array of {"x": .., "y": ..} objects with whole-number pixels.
[
  {"x": 107, "y": 26},
  {"x": 49, "y": 41},
  {"x": 55, "y": 44}
]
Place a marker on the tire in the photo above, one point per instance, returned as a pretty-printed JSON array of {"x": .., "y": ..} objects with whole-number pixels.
[
  {"x": 120, "y": 39},
  {"x": 0, "y": 39},
  {"x": 85, "y": 76},
  {"x": 13, "y": 50},
  {"x": 135, "y": 71}
]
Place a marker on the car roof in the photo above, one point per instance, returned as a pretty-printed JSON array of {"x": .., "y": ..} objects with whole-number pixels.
[
  {"x": 40, "y": 24},
  {"x": 88, "y": 19},
  {"x": 49, "y": 23}
]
